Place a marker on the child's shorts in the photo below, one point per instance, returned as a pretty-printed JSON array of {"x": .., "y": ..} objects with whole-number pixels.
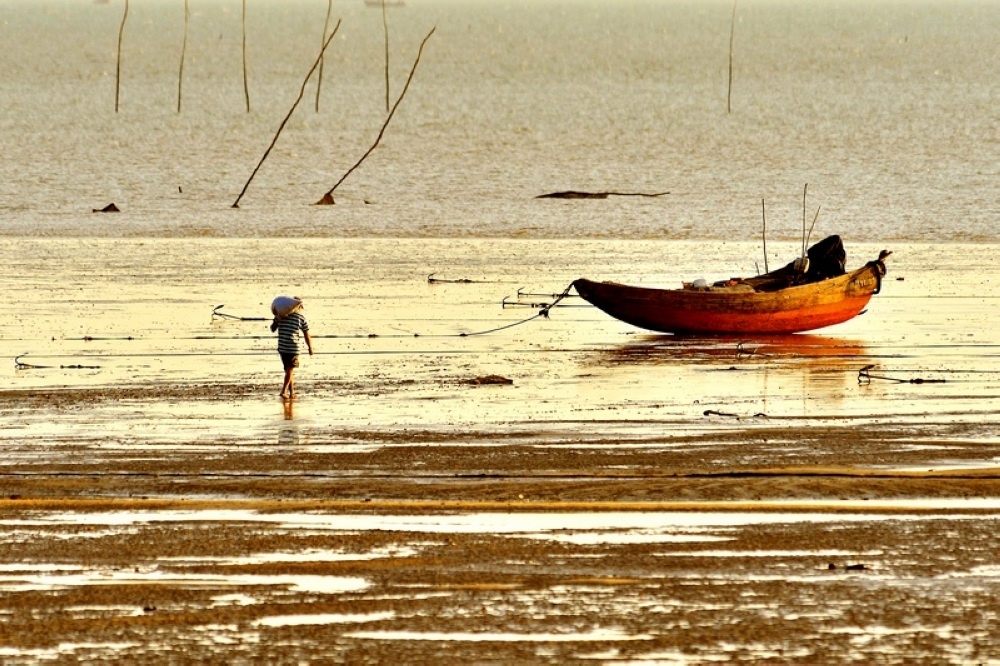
[{"x": 289, "y": 360}]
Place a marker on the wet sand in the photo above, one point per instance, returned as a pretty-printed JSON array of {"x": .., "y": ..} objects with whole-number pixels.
[{"x": 521, "y": 544}]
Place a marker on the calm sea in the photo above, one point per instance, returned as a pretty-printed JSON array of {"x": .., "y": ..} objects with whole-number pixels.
[{"x": 887, "y": 110}]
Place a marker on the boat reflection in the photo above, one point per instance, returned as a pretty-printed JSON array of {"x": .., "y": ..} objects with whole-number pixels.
[
  {"x": 666, "y": 349},
  {"x": 774, "y": 376}
]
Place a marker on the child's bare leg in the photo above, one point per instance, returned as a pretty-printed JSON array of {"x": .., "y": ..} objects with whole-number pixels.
[{"x": 287, "y": 386}]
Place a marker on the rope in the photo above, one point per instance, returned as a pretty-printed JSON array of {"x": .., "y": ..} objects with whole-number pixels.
[{"x": 542, "y": 313}]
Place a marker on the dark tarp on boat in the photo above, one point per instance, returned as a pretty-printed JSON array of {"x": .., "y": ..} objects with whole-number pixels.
[{"x": 827, "y": 259}]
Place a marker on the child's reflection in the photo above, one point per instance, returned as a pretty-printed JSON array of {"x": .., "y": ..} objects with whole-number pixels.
[{"x": 288, "y": 433}]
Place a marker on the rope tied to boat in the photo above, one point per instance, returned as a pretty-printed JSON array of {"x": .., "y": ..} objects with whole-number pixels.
[{"x": 543, "y": 313}]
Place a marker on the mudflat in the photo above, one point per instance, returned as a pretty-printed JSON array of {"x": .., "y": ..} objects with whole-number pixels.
[{"x": 513, "y": 544}]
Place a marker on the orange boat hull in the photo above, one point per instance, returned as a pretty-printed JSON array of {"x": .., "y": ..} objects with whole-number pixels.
[{"x": 726, "y": 310}]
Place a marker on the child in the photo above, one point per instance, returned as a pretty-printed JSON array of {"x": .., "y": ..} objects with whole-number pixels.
[{"x": 289, "y": 322}]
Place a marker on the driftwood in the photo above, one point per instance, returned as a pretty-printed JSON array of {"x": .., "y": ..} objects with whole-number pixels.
[
  {"x": 302, "y": 91},
  {"x": 327, "y": 199},
  {"x": 110, "y": 208},
  {"x": 574, "y": 194}
]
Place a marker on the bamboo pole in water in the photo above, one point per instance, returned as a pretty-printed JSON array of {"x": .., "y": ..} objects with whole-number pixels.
[
  {"x": 319, "y": 79},
  {"x": 118, "y": 61},
  {"x": 327, "y": 198},
  {"x": 246, "y": 88},
  {"x": 732, "y": 34},
  {"x": 385, "y": 33},
  {"x": 180, "y": 71},
  {"x": 302, "y": 92}
]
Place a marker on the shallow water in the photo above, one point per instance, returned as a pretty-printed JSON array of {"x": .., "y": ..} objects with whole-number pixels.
[
  {"x": 886, "y": 110},
  {"x": 394, "y": 351}
]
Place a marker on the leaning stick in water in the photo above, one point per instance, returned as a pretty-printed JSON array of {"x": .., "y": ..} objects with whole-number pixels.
[
  {"x": 246, "y": 88},
  {"x": 327, "y": 198},
  {"x": 326, "y": 25},
  {"x": 732, "y": 34},
  {"x": 302, "y": 91},
  {"x": 118, "y": 61},
  {"x": 385, "y": 33},
  {"x": 180, "y": 71}
]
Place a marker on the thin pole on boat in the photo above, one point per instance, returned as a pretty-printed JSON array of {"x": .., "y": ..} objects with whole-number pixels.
[
  {"x": 811, "y": 226},
  {"x": 118, "y": 60},
  {"x": 763, "y": 233},
  {"x": 327, "y": 199},
  {"x": 805, "y": 189},
  {"x": 802, "y": 263},
  {"x": 302, "y": 91}
]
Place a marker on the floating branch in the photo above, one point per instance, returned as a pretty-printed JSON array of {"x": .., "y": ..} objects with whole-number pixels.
[
  {"x": 118, "y": 60},
  {"x": 385, "y": 33},
  {"x": 326, "y": 25},
  {"x": 236, "y": 204},
  {"x": 246, "y": 88},
  {"x": 327, "y": 198},
  {"x": 732, "y": 34},
  {"x": 865, "y": 377},
  {"x": 574, "y": 194},
  {"x": 180, "y": 71}
]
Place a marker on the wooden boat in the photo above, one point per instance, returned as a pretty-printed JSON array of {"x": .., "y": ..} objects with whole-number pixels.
[{"x": 783, "y": 301}]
